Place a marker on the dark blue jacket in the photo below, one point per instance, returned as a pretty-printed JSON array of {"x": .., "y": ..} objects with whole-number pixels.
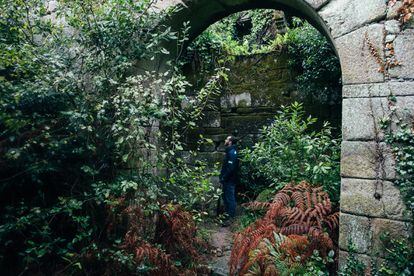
[{"x": 230, "y": 169}]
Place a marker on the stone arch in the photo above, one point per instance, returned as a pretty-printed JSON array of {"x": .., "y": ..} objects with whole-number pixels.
[
  {"x": 195, "y": 12},
  {"x": 370, "y": 203}
]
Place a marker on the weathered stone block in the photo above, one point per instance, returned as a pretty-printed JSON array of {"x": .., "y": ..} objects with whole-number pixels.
[
  {"x": 392, "y": 26},
  {"x": 218, "y": 137},
  {"x": 210, "y": 157},
  {"x": 250, "y": 124},
  {"x": 396, "y": 229},
  {"x": 404, "y": 53},
  {"x": 358, "y": 64},
  {"x": 367, "y": 160},
  {"x": 358, "y": 119},
  {"x": 236, "y": 100},
  {"x": 52, "y": 6},
  {"x": 393, "y": 11},
  {"x": 355, "y": 229},
  {"x": 343, "y": 16},
  {"x": 361, "y": 116},
  {"x": 358, "y": 196}
]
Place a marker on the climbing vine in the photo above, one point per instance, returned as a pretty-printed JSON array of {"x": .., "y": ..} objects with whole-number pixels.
[
  {"x": 399, "y": 135},
  {"x": 401, "y": 141}
]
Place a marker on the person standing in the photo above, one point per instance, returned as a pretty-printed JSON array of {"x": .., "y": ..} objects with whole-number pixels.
[{"x": 229, "y": 176}]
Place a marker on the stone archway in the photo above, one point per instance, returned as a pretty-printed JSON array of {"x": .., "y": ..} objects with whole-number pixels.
[{"x": 370, "y": 203}]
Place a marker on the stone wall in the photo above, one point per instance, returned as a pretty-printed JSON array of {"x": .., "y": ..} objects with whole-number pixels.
[
  {"x": 364, "y": 34},
  {"x": 257, "y": 86},
  {"x": 370, "y": 203}
]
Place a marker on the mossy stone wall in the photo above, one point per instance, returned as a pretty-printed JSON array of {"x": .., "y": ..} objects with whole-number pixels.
[{"x": 258, "y": 85}]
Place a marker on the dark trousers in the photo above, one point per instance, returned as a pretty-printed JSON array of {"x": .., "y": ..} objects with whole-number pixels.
[{"x": 229, "y": 198}]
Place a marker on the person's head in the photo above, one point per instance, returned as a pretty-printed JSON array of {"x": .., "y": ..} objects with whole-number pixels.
[{"x": 230, "y": 141}]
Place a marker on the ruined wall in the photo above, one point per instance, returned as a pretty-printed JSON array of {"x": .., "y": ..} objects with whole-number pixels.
[{"x": 257, "y": 86}]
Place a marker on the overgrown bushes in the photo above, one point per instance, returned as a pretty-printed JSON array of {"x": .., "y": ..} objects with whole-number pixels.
[
  {"x": 290, "y": 150},
  {"x": 313, "y": 57},
  {"x": 299, "y": 228},
  {"x": 81, "y": 140}
]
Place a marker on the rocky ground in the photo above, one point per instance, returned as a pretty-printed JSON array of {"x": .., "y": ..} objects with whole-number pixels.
[{"x": 221, "y": 241}]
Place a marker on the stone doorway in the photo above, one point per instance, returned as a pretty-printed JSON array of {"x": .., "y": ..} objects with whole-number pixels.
[{"x": 359, "y": 31}]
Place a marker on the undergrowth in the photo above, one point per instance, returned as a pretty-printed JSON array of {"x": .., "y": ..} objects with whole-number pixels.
[{"x": 299, "y": 211}]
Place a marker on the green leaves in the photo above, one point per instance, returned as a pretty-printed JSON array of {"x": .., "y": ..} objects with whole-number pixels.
[
  {"x": 399, "y": 135},
  {"x": 70, "y": 117},
  {"x": 289, "y": 150},
  {"x": 72, "y": 121},
  {"x": 313, "y": 57}
]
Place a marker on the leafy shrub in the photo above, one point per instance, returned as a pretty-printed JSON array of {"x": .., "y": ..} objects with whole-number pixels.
[
  {"x": 224, "y": 38},
  {"x": 289, "y": 150},
  {"x": 191, "y": 187},
  {"x": 295, "y": 210},
  {"x": 311, "y": 55},
  {"x": 176, "y": 230},
  {"x": 281, "y": 256}
]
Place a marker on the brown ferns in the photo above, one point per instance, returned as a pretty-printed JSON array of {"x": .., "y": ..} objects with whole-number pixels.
[
  {"x": 295, "y": 210},
  {"x": 176, "y": 230},
  {"x": 173, "y": 237}
]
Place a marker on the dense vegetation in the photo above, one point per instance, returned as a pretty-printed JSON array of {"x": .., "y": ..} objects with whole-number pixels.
[
  {"x": 262, "y": 31},
  {"x": 292, "y": 227},
  {"x": 81, "y": 143},
  {"x": 290, "y": 150},
  {"x": 91, "y": 174}
]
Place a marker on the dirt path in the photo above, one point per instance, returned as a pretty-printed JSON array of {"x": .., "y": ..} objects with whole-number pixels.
[{"x": 221, "y": 241}]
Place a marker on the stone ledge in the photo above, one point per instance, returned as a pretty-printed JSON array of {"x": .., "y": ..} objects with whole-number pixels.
[
  {"x": 211, "y": 119},
  {"x": 360, "y": 160},
  {"x": 357, "y": 197}
]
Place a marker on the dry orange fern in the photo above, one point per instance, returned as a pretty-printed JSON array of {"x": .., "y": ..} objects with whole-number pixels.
[
  {"x": 172, "y": 237},
  {"x": 176, "y": 230},
  {"x": 298, "y": 210}
]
